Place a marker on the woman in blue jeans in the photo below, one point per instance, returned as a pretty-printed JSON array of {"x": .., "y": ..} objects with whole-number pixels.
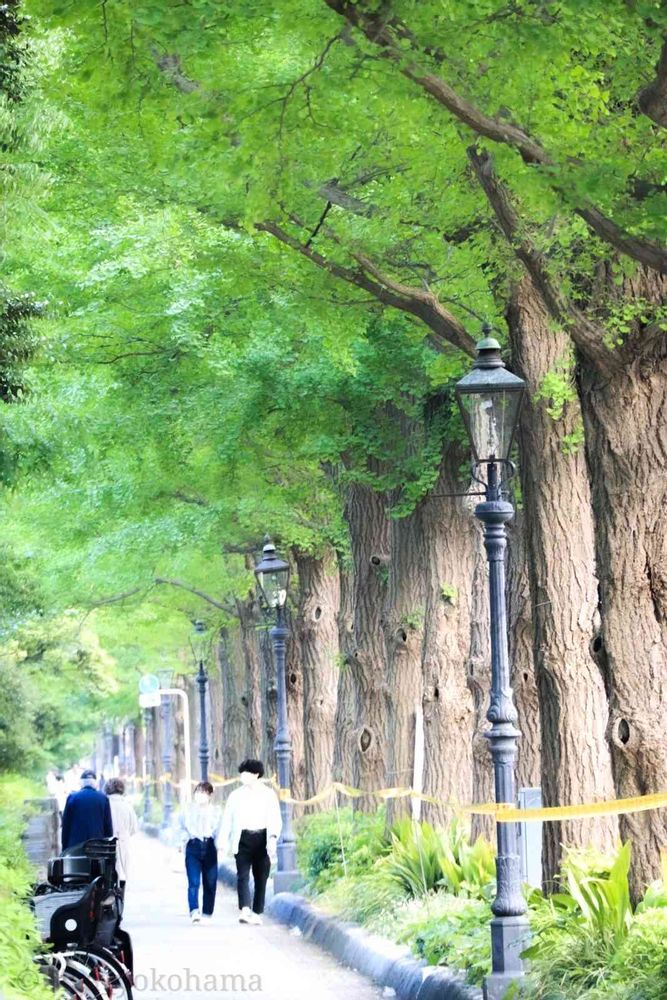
[{"x": 200, "y": 824}]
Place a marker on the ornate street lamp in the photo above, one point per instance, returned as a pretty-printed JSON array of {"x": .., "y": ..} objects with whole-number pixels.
[
  {"x": 199, "y": 649},
  {"x": 489, "y": 398},
  {"x": 273, "y": 576}
]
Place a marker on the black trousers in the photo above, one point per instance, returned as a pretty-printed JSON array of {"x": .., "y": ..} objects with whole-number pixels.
[{"x": 252, "y": 856}]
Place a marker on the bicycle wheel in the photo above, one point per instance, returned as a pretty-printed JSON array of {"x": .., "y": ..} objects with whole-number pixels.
[
  {"x": 77, "y": 975},
  {"x": 108, "y": 970}
]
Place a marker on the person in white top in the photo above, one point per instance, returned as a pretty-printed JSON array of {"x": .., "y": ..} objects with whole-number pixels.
[
  {"x": 200, "y": 823},
  {"x": 125, "y": 825},
  {"x": 250, "y": 830}
]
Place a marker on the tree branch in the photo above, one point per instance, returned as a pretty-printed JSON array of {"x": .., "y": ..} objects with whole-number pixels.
[
  {"x": 384, "y": 33},
  {"x": 423, "y": 305},
  {"x": 587, "y": 336},
  {"x": 198, "y": 593}
]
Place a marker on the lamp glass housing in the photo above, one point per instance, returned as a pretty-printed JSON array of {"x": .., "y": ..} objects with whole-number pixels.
[
  {"x": 489, "y": 398},
  {"x": 273, "y": 575}
]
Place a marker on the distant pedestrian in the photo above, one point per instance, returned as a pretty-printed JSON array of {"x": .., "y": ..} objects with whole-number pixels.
[
  {"x": 250, "y": 831},
  {"x": 200, "y": 823},
  {"x": 87, "y": 814},
  {"x": 125, "y": 825}
]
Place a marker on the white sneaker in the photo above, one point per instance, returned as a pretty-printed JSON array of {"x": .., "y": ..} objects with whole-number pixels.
[
  {"x": 195, "y": 916},
  {"x": 255, "y": 918},
  {"x": 246, "y": 916}
]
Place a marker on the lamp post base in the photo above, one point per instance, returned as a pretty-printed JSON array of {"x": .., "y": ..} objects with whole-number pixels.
[
  {"x": 509, "y": 937},
  {"x": 288, "y": 881}
]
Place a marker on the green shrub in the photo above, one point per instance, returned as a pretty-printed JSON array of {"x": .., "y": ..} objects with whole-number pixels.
[
  {"x": 423, "y": 859},
  {"x": 447, "y": 930},
  {"x": 334, "y": 845},
  {"x": 588, "y": 945},
  {"x": 19, "y": 939}
]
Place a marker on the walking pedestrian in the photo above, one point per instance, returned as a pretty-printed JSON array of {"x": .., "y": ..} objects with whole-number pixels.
[
  {"x": 87, "y": 814},
  {"x": 125, "y": 825},
  {"x": 250, "y": 830},
  {"x": 200, "y": 824}
]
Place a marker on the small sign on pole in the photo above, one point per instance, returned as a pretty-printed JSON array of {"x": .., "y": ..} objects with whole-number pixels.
[{"x": 149, "y": 700}]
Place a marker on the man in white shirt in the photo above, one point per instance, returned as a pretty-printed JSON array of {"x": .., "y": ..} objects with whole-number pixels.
[
  {"x": 200, "y": 823},
  {"x": 250, "y": 829}
]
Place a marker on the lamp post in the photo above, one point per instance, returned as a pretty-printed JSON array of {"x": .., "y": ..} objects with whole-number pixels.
[
  {"x": 273, "y": 576},
  {"x": 198, "y": 648},
  {"x": 489, "y": 398},
  {"x": 147, "y": 765}
]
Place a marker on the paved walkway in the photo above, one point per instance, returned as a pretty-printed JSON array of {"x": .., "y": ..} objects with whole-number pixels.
[{"x": 220, "y": 957}]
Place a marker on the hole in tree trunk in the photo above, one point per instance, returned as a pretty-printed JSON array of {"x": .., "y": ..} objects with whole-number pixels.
[
  {"x": 318, "y": 614},
  {"x": 597, "y": 643},
  {"x": 403, "y": 636},
  {"x": 436, "y": 692},
  {"x": 293, "y": 678},
  {"x": 623, "y": 731},
  {"x": 365, "y": 740},
  {"x": 525, "y": 676},
  {"x": 375, "y": 560}
]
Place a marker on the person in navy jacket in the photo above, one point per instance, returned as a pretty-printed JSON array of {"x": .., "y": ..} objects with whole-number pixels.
[{"x": 87, "y": 814}]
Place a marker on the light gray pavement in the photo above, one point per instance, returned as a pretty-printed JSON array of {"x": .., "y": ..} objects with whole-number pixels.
[{"x": 220, "y": 957}]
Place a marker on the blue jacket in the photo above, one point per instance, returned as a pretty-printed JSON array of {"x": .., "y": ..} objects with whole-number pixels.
[{"x": 87, "y": 815}]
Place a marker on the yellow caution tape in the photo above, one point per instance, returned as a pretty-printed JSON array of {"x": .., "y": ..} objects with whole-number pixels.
[{"x": 503, "y": 812}]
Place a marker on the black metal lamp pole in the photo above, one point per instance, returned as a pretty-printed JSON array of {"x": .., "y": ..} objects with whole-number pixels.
[
  {"x": 148, "y": 766},
  {"x": 490, "y": 400},
  {"x": 273, "y": 576},
  {"x": 202, "y": 683},
  {"x": 166, "y": 761},
  {"x": 283, "y": 748}
]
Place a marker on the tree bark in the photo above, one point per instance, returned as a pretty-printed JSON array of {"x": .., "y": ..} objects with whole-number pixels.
[
  {"x": 269, "y": 692},
  {"x": 249, "y": 616},
  {"x": 294, "y": 681},
  {"x": 343, "y": 769},
  {"x": 448, "y": 708},
  {"x": 317, "y": 629},
  {"x": 524, "y": 682},
  {"x": 234, "y": 713},
  {"x": 576, "y": 764},
  {"x": 626, "y": 444},
  {"x": 369, "y": 538},
  {"x": 404, "y": 634},
  {"x": 479, "y": 681}
]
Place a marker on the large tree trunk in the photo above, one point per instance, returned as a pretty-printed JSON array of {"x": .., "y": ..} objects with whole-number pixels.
[
  {"x": 404, "y": 633},
  {"x": 216, "y": 735},
  {"x": 524, "y": 682},
  {"x": 269, "y": 692},
  {"x": 369, "y": 538},
  {"x": 343, "y": 768},
  {"x": 479, "y": 682},
  {"x": 576, "y": 763},
  {"x": 317, "y": 628},
  {"x": 234, "y": 715},
  {"x": 249, "y": 616},
  {"x": 626, "y": 442},
  {"x": 294, "y": 681},
  {"x": 449, "y": 713}
]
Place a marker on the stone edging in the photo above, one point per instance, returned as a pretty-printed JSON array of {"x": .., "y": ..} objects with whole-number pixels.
[{"x": 388, "y": 964}]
